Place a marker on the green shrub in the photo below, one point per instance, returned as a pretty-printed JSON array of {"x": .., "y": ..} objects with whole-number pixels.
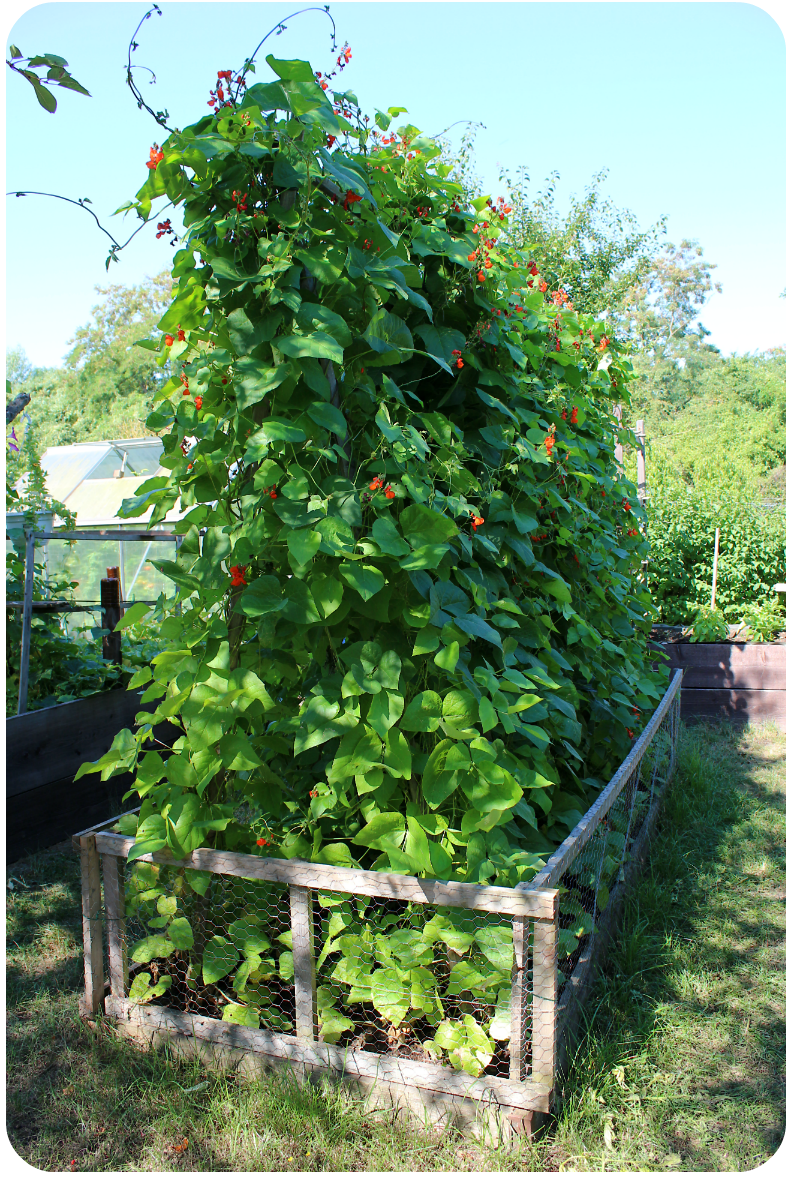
[
  {"x": 762, "y": 621},
  {"x": 709, "y": 625},
  {"x": 681, "y": 520}
]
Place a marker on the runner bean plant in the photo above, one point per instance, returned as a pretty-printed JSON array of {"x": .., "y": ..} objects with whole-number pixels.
[{"x": 410, "y": 631}]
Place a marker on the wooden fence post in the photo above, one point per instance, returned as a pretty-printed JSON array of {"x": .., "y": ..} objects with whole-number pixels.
[
  {"x": 92, "y": 911},
  {"x": 114, "y": 896},
  {"x": 112, "y": 612},
  {"x": 544, "y": 996},
  {"x": 305, "y": 970}
]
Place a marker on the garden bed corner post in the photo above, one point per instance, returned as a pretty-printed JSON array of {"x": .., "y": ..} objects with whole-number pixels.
[
  {"x": 543, "y": 999},
  {"x": 92, "y": 911},
  {"x": 114, "y": 896}
]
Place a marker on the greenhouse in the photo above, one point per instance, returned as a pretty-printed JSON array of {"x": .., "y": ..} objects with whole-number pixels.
[{"x": 92, "y": 479}]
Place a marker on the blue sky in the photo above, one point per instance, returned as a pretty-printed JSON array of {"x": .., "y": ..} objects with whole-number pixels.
[{"x": 683, "y": 103}]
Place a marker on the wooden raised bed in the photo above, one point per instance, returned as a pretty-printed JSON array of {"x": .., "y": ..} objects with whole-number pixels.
[
  {"x": 44, "y": 750},
  {"x": 743, "y": 681},
  {"x": 548, "y": 976}
]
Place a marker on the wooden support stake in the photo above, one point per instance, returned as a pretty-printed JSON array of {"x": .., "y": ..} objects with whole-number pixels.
[
  {"x": 641, "y": 478},
  {"x": 305, "y": 971},
  {"x": 619, "y": 450},
  {"x": 112, "y": 613},
  {"x": 114, "y": 896},
  {"x": 714, "y": 572},
  {"x": 92, "y": 910}
]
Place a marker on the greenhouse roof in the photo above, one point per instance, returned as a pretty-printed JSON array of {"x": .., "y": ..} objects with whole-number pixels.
[
  {"x": 93, "y": 478},
  {"x": 96, "y": 503}
]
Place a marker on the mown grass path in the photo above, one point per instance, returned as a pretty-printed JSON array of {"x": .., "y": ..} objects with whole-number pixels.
[{"x": 681, "y": 1067}]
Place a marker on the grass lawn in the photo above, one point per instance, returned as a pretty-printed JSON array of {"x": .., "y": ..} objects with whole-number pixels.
[{"x": 681, "y": 1067}]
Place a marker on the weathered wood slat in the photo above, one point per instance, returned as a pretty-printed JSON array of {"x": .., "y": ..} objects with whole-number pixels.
[
  {"x": 571, "y": 846},
  {"x": 92, "y": 914},
  {"x": 539, "y": 904},
  {"x": 747, "y": 667},
  {"x": 387, "y": 1068},
  {"x": 520, "y": 1015},
  {"x": 544, "y": 992},
  {"x": 734, "y": 705},
  {"x": 114, "y": 903},
  {"x": 571, "y": 1004}
]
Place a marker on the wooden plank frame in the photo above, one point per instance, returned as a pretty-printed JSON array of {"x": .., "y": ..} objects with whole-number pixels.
[{"x": 540, "y": 1022}]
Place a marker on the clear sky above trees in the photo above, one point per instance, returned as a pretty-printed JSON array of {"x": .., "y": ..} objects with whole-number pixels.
[{"x": 683, "y": 103}]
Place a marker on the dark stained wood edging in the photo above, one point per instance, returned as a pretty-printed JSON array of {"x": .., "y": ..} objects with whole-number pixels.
[
  {"x": 44, "y": 750},
  {"x": 734, "y": 680}
]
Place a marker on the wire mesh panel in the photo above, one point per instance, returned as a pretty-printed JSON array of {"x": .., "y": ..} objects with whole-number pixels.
[
  {"x": 591, "y": 867},
  {"x": 210, "y": 944},
  {"x": 417, "y": 981}
]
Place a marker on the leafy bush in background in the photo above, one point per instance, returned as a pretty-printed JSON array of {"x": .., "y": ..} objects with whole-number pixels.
[
  {"x": 762, "y": 621},
  {"x": 681, "y": 523}
]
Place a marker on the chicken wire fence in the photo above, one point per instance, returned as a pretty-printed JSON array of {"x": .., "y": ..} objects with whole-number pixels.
[{"x": 460, "y": 975}]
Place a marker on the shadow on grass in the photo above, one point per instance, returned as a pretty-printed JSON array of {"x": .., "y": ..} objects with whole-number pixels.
[
  {"x": 680, "y": 1066},
  {"x": 691, "y": 987}
]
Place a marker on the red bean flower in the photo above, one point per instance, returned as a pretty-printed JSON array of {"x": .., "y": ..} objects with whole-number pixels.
[
  {"x": 156, "y": 155},
  {"x": 476, "y": 520},
  {"x": 237, "y": 577}
]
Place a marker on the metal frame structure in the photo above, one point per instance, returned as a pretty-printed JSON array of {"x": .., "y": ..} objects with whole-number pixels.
[{"x": 30, "y": 607}]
